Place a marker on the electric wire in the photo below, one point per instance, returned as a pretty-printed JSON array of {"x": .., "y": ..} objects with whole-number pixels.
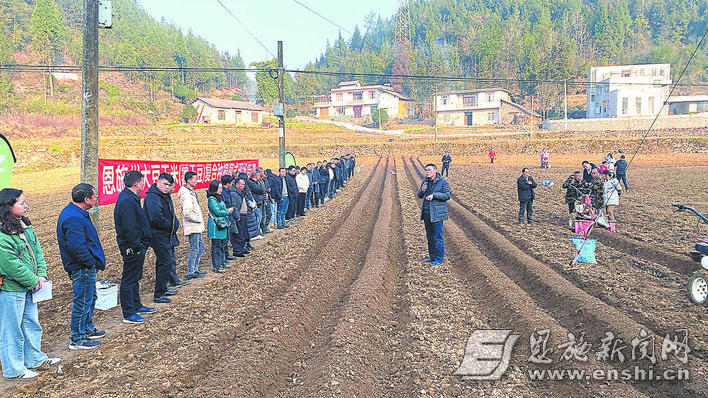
[
  {"x": 247, "y": 30},
  {"x": 323, "y": 17},
  {"x": 385, "y": 76}
]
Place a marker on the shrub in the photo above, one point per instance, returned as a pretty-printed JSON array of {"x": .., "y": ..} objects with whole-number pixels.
[{"x": 188, "y": 114}]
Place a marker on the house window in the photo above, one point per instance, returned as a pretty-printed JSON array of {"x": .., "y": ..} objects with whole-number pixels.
[
  {"x": 374, "y": 108},
  {"x": 446, "y": 118},
  {"x": 597, "y": 109},
  {"x": 626, "y": 73},
  {"x": 372, "y": 94},
  {"x": 444, "y": 100},
  {"x": 467, "y": 99},
  {"x": 661, "y": 72},
  {"x": 339, "y": 97},
  {"x": 358, "y": 96},
  {"x": 490, "y": 97},
  {"x": 651, "y": 105},
  {"x": 341, "y": 110},
  {"x": 221, "y": 114},
  {"x": 625, "y": 105},
  {"x": 254, "y": 117},
  {"x": 638, "y": 103},
  {"x": 604, "y": 106},
  {"x": 607, "y": 87},
  {"x": 592, "y": 98},
  {"x": 490, "y": 116}
]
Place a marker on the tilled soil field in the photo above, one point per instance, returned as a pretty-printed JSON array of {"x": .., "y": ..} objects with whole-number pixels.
[{"x": 340, "y": 305}]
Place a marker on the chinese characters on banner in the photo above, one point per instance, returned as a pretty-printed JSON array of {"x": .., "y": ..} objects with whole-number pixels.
[{"x": 111, "y": 172}]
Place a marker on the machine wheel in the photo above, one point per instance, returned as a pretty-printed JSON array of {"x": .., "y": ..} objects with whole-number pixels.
[{"x": 698, "y": 288}]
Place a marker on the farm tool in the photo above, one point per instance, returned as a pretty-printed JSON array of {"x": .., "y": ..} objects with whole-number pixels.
[{"x": 698, "y": 283}]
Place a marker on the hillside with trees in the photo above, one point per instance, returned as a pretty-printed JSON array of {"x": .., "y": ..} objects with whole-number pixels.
[
  {"x": 49, "y": 32},
  {"x": 516, "y": 40}
]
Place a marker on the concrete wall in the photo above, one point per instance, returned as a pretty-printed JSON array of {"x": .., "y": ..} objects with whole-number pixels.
[{"x": 629, "y": 123}]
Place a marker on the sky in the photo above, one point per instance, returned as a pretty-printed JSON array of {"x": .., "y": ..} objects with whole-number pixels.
[{"x": 303, "y": 33}]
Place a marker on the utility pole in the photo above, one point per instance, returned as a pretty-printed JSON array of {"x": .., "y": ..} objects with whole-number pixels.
[
  {"x": 281, "y": 98},
  {"x": 89, "y": 102}
]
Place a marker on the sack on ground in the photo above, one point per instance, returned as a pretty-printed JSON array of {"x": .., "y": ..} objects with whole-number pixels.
[{"x": 587, "y": 254}]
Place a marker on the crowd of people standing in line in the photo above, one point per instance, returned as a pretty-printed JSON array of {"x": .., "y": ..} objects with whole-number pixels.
[{"x": 241, "y": 207}]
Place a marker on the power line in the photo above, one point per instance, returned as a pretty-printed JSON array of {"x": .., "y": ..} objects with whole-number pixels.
[
  {"x": 323, "y": 17},
  {"x": 244, "y": 26},
  {"x": 432, "y": 78}
]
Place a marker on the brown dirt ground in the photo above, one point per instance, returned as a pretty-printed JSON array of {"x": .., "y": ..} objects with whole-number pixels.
[{"x": 339, "y": 305}]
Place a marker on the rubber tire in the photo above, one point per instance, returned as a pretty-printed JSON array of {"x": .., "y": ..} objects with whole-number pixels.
[{"x": 698, "y": 282}]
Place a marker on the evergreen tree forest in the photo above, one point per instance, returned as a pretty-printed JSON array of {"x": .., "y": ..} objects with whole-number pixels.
[{"x": 516, "y": 40}]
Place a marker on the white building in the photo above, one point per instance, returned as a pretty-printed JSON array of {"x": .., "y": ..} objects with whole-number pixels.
[
  {"x": 221, "y": 111},
  {"x": 681, "y": 105},
  {"x": 353, "y": 100},
  {"x": 627, "y": 90},
  {"x": 478, "y": 108}
]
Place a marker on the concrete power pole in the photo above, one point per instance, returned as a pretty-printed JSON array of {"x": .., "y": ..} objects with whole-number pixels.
[
  {"x": 281, "y": 99},
  {"x": 89, "y": 102}
]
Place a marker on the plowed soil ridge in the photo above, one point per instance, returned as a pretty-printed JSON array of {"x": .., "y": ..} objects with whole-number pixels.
[
  {"x": 267, "y": 349},
  {"x": 648, "y": 292},
  {"x": 572, "y": 307},
  {"x": 507, "y": 306},
  {"x": 349, "y": 357}
]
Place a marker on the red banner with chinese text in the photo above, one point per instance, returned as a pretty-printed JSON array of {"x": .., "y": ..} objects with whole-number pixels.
[{"x": 111, "y": 172}]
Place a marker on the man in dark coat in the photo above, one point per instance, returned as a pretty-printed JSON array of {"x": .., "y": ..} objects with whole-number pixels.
[
  {"x": 240, "y": 213},
  {"x": 292, "y": 192},
  {"x": 525, "y": 186},
  {"x": 160, "y": 212},
  {"x": 82, "y": 256},
  {"x": 133, "y": 238},
  {"x": 446, "y": 159},
  {"x": 323, "y": 181},
  {"x": 435, "y": 192},
  {"x": 621, "y": 171},
  {"x": 587, "y": 170}
]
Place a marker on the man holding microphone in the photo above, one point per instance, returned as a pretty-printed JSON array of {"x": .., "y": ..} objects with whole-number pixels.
[{"x": 435, "y": 192}]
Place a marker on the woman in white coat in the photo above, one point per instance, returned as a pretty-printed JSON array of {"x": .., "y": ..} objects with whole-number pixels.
[{"x": 613, "y": 191}]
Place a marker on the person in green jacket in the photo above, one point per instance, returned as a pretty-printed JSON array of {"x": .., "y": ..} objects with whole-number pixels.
[
  {"x": 23, "y": 271},
  {"x": 217, "y": 213}
]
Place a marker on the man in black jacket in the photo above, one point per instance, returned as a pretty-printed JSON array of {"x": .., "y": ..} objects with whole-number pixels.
[
  {"x": 446, "y": 159},
  {"x": 160, "y": 212},
  {"x": 525, "y": 186},
  {"x": 267, "y": 208},
  {"x": 258, "y": 192},
  {"x": 292, "y": 192},
  {"x": 621, "y": 171},
  {"x": 587, "y": 171},
  {"x": 133, "y": 238}
]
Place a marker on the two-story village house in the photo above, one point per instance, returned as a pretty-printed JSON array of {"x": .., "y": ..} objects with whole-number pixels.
[
  {"x": 353, "y": 100},
  {"x": 479, "y": 107}
]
